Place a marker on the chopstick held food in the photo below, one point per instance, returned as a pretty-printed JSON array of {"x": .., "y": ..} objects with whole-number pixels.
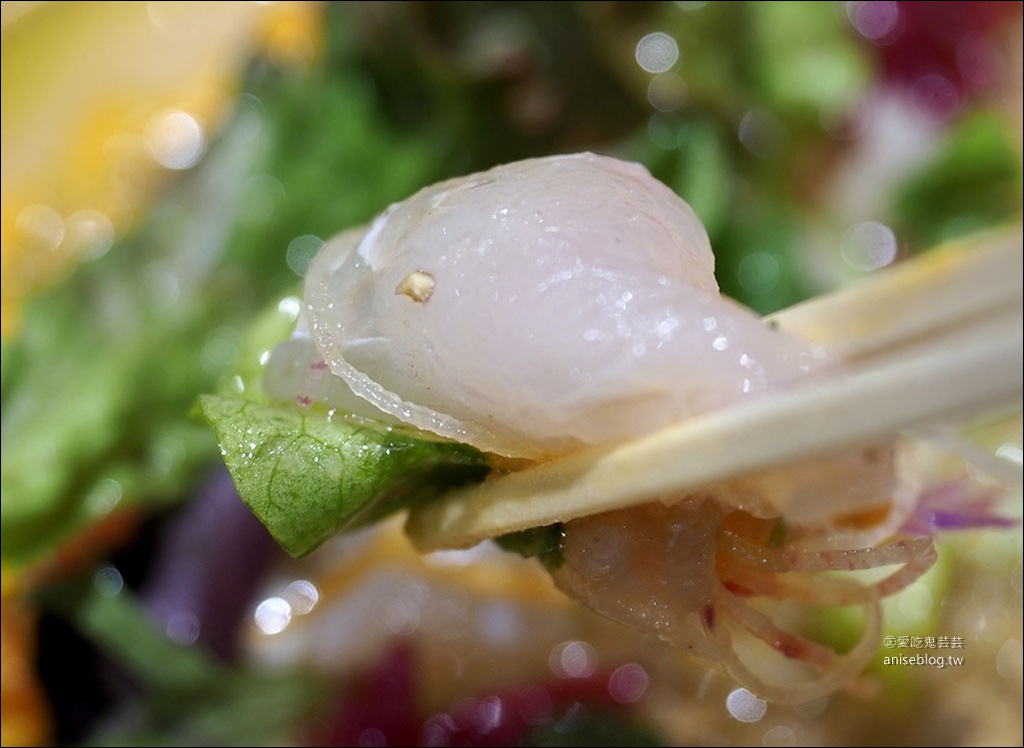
[{"x": 561, "y": 315}]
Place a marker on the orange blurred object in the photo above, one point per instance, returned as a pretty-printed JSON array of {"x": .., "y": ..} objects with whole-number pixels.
[
  {"x": 24, "y": 713},
  {"x": 102, "y": 103}
]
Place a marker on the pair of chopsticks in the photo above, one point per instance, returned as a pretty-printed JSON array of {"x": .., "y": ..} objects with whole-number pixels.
[{"x": 936, "y": 339}]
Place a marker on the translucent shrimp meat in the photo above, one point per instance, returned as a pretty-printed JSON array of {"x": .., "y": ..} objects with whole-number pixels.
[{"x": 538, "y": 307}]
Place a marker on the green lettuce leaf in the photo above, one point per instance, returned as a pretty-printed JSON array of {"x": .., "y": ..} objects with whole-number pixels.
[
  {"x": 307, "y": 476},
  {"x": 544, "y": 543}
]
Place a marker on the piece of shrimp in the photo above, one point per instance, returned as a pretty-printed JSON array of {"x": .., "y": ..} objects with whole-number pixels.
[{"x": 709, "y": 577}]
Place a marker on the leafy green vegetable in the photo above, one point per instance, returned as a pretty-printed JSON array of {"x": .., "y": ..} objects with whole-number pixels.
[
  {"x": 543, "y": 542},
  {"x": 188, "y": 698},
  {"x": 93, "y": 396},
  {"x": 98, "y": 384},
  {"x": 308, "y": 476},
  {"x": 974, "y": 182}
]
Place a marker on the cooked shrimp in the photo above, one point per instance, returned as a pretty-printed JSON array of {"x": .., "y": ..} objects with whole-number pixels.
[
  {"x": 696, "y": 572},
  {"x": 555, "y": 303}
]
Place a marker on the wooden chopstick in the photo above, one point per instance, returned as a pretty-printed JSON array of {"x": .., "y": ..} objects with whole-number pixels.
[
  {"x": 938, "y": 338},
  {"x": 933, "y": 294}
]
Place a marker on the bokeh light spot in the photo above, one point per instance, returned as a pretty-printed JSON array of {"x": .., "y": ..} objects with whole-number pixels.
[
  {"x": 628, "y": 683},
  {"x": 758, "y": 273},
  {"x": 372, "y": 737},
  {"x": 108, "y": 581},
  {"x": 935, "y": 94},
  {"x": 104, "y": 496},
  {"x": 868, "y": 246},
  {"x": 302, "y": 595},
  {"x": 657, "y": 52},
  {"x": 183, "y": 628},
  {"x": 290, "y": 306},
  {"x": 745, "y": 706},
  {"x": 301, "y": 251},
  {"x": 273, "y": 615},
  {"x": 402, "y": 616},
  {"x": 176, "y": 139},
  {"x": 90, "y": 232},
  {"x": 573, "y": 659},
  {"x": 40, "y": 228},
  {"x": 877, "y": 21},
  {"x": 780, "y": 735},
  {"x": 664, "y": 131},
  {"x": 666, "y": 92},
  {"x": 1008, "y": 661},
  {"x": 760, "y": 132}
]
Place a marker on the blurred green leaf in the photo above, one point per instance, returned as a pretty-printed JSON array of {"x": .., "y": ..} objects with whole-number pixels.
[
  {"x": 98, "y": 385},
  {"x": 184, "y": 696},
  {"x": 974, "y": 182}
]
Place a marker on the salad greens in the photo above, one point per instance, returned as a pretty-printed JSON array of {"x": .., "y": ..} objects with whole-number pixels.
[
  {"x": 308, "y": 477},
  {"x": 187, "y": 697},
  {"x": 975, "y": 181},
  {"x": 544, "y": 543},
  {"x": 106, "y": 388},
  {"x": 95, "y": 405}
]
